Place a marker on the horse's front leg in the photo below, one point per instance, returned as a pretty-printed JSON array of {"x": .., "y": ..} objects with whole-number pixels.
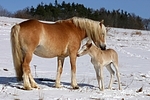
[
  {"x": 28, "y": 81},
  {"x": 60, "y": 61},
  {"x": 73, "y": 71}
]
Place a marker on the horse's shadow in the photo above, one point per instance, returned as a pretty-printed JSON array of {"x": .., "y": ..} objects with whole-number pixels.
[
  {"x": 7, "y": 80},
  {"x": 12, "y": 82}
]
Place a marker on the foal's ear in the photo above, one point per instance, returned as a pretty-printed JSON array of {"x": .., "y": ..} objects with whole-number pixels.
[
  {"x": 89, "y": 45},
  {"x": 89, "y": 41},
  {"x": 101, "y": 22}
]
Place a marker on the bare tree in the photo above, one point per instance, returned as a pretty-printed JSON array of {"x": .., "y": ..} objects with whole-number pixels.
[
  {"x": 22, "y": 13},
  {"x": 4, "y": 12}
]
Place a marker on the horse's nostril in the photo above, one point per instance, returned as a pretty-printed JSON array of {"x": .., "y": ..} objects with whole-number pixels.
[{"x": 103, "y": 47}]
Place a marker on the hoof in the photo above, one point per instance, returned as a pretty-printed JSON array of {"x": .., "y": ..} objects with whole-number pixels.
[
  {"x": 101, "y": 89},
  {"x": 27, "y": 88},
  {"x": 35, "y": 86},
  {"x": 76, "y": 87},
  {"x": 58, "y": 86}
]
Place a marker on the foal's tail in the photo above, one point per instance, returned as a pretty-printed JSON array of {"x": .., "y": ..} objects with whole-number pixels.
[{"x": 16, "y": 51}]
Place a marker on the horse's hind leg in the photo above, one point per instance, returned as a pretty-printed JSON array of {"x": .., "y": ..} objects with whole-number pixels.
[
  {"x": 28, "y": 80},
  {"x": 117, "y": 74},
  {"x": 60, "y": 61},
  {"x": 111, "y": 71}
]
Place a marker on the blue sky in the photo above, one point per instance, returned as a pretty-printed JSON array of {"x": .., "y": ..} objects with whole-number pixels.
[{"x": 138, "y": 7}]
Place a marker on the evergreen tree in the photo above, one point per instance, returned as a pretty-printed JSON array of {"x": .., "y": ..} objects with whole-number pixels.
[{"x": 114, "y": 18}]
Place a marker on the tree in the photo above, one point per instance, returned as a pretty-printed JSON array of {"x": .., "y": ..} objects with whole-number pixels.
[
  {"x": 116, "y": 18},
  {"x": 146, "y": 23},
  {"x": 56, "y": 3},
  {"x": 4, "y": 12},
  {"x": 22, "y": 13}
]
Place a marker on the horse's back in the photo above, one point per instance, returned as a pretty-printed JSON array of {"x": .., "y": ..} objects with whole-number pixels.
[
  {"x": 113, "y": 55},
  {"x": 29, "y": 22},
  {"x": 110, "y": 54},
  {"x": 30, "y": 25}
]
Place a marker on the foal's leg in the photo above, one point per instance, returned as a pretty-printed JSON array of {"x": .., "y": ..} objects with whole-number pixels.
[
  {"x": 97, "y": 70},
  {"x": 101, "y": 78},
  {"x": 28, "y": 80},
  {"x": 117, "y": 74},
  {"x": 111, "y": 71},
  {"x": 60, "y": 62}
]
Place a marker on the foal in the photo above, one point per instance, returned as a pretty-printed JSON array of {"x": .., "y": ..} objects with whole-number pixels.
[{"x": 99, "y": 59}]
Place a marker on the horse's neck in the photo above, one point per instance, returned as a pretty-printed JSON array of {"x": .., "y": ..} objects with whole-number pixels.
[{"x": 93, "y": 51}]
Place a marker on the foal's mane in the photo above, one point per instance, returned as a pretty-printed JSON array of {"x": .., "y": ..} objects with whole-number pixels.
[{"x": 91, "y": 27}]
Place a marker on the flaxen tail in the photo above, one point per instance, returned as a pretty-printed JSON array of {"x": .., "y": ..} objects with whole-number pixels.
[{"x": 16, "y": 51}]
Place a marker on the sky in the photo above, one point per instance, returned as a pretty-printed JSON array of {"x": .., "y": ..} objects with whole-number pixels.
[{"x": 138, "y": 7}]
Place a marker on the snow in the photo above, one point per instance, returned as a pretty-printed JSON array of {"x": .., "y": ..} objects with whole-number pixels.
[{"x": 133, "y": 47}]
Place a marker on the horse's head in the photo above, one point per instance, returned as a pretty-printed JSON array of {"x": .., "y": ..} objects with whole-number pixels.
[
  {"x": 95, "y": 30},
  {"x": 100, "y": 39}
]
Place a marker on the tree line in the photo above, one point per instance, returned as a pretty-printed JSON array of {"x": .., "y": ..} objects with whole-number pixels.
[{"x": 52, "y": 12}]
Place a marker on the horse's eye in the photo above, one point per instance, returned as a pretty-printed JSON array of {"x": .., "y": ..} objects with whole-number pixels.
[{"x": 103, "y": 34}]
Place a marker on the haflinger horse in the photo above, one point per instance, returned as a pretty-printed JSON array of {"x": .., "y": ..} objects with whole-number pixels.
[
  {"x": 99, "y": 59},
  {"x": 48, "y": 40}
]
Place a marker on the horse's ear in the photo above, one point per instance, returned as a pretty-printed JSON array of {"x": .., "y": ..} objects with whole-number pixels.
[{"x": 101, "y": 22}]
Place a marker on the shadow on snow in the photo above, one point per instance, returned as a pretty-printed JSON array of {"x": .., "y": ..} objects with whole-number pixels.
[{"x": 12, "y": 82}]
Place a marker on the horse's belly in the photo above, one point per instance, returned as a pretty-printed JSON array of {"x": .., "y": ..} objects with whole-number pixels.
[
  {"x": 49, "y": 52},
  {"x": 44, "y": 52}
]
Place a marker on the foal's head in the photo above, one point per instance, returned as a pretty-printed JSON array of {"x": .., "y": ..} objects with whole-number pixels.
[{"x": 85, "y": 49}]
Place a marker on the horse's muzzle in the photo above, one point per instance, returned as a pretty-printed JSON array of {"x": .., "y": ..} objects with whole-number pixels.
[{"x": 103, "y": 47}]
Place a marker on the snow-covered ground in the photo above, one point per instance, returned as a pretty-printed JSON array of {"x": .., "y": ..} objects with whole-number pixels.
[{"x": 133, "y": 47}]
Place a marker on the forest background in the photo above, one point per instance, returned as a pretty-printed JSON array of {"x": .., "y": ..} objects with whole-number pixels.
[{"x": 52, "y": 12}]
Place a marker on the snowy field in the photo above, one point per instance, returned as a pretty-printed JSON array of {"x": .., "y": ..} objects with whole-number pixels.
[{"x": 133, "y": 47}]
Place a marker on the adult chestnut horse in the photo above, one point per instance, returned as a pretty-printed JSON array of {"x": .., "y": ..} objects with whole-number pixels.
[{"x": 59, "y": 39}]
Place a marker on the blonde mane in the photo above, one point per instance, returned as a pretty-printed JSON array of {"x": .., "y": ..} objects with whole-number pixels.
[{"x": 91, "y": 27}]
